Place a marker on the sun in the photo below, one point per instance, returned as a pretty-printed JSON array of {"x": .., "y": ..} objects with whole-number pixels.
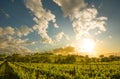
[{"x": 88, "y": 45}]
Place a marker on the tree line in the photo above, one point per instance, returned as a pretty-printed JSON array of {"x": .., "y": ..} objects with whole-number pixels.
[{"x": 58, "y": 59}]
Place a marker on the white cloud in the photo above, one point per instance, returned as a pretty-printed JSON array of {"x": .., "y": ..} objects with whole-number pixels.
[
  {"x": 70, "y": 6},
  {"x": 23, "y": 30},
  {"x": 9, "y": 43},
  {"x": 47, "y": 40},
  {"x": 83, "y": 18},
  {"x": 60, "y": 35},
  {"x": 6, "y": 41},
  {"x": 98, "y": 32},
  {"x": 12, "y": 49},
  {"x": 1, "y": 31},
  {"x": 42, "y": 18},
  {"x": 55, "y": 25},
  {"x": 9, "y": 30}
]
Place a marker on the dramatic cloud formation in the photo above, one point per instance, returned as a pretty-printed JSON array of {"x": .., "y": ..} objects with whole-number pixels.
[
  {"x": 42, "y": 18},
  {"x": 83, "y": 18},
  {"x": 23, "y": 30},
  {"x": 10, "y": 43}
]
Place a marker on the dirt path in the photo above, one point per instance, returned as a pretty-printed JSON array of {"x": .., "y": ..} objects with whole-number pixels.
[{"x": 6, "y": 72}]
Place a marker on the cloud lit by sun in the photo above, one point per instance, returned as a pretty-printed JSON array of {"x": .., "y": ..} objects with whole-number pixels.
[{"x": 44, "y": 25}]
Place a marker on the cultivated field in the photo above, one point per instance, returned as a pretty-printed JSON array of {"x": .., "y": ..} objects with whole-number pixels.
[{"x": 20, "y": 70}]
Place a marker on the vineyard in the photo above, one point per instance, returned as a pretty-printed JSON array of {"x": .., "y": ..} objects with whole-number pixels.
[{"x": 20, "y": 70}]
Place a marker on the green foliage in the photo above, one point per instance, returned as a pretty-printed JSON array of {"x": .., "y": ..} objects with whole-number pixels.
[
  {"x": 48, "y": 57},
  {"x": 70, "y": 59},
  {"x": 69, "y": 71},
  {"x": 61, "y": 71}
]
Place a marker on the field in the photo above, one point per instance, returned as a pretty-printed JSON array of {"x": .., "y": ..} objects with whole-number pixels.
[{"x": 20, "y": 70}]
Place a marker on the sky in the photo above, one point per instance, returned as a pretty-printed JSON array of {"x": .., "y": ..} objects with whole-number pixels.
[{"x": 43, "y": 25}]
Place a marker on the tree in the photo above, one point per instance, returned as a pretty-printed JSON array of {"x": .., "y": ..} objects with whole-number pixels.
[
  {"x": 70, "y": 59},
  {"x": 112, "y": 57},
  {"x": 101, "y": 56}
]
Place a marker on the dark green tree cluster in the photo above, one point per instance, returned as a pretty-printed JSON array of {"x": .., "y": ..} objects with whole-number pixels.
[{"x": 70, "y": 59}]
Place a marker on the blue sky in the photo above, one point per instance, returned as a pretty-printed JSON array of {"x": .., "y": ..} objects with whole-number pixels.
[{"x": 41, "y": 25}]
